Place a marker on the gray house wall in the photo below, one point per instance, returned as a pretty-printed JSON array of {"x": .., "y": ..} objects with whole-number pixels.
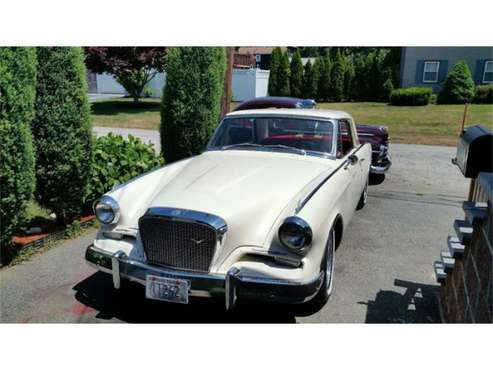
[{"x": 413, "y": 58}]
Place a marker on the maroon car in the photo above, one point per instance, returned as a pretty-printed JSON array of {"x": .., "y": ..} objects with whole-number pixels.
[{"x": 375, "y": 135}]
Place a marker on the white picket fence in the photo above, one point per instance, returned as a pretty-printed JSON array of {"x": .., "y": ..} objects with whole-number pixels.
[{"x": 247, "y": 84}]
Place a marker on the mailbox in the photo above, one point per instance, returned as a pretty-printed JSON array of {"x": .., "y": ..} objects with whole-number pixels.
[{"x": 475, "y": 151}]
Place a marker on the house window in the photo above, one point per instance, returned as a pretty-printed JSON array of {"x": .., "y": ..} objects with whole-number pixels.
[
  {"x": 488, "y": 72},
  {"x": 258, "y": 58},
  {"x": 430, "y": 72}
]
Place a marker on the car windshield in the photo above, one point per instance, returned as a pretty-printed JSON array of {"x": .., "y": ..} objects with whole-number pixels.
[{"x": 298, "y": 135}]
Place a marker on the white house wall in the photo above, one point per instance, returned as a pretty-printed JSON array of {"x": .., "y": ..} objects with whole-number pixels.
[{"x": 247, "y": 84}]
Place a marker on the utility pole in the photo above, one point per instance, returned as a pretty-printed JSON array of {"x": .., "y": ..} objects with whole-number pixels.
[{"x": 228, "y": 77}]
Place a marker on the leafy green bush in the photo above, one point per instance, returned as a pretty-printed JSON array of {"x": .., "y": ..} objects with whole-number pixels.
[
  {"x": 411, "y": 96},
  {"x": 116, "y": 160},
  {"x": 62, "y": 131},
  {"x": 484, "y": 94},
  {"x": 17, "y": 94},
  {"x": 191, "y": 100},
  {"x": 459, "y": 86}
]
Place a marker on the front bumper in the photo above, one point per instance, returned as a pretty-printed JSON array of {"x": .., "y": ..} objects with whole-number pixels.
[{"x": 231, "y": 285}]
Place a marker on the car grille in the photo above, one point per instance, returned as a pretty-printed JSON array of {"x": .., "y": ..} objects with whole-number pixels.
[{"x": 178, "y": 243}]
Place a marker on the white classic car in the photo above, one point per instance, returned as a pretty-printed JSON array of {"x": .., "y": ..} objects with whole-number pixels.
[{"x": 258, "y": 215}]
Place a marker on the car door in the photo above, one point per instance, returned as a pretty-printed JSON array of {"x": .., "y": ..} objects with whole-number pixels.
[{"x": 346, "y": 149}]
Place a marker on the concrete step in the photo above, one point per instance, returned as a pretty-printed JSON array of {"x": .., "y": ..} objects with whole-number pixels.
[
  {"x": 463, "y": 229},
  {"x": 440, "y": 273},
  {"x": 474, "y": 211},
  {"x": 448, "y": 261},
  {"x": 455, "y": 247}
]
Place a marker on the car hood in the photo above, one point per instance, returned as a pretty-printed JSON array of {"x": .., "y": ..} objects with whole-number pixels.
[{"x": 248, "y": 189}]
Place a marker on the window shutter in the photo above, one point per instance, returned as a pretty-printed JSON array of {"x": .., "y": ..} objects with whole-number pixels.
[
  {"x": 420, "y": 67},
  {"x": 442, "y": 71},
  {"x": 479, "y": 71}
]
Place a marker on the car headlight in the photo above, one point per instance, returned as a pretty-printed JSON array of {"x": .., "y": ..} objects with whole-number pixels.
[
  {"x": 107, "y": 210},
  {"x": 295, "y": 234}
]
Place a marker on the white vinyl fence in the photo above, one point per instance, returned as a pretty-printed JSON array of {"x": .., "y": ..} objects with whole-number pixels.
[{"x": 247, "y": 84}]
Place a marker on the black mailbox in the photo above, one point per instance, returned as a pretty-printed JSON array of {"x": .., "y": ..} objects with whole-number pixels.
[{"x": 475, "y": 151}]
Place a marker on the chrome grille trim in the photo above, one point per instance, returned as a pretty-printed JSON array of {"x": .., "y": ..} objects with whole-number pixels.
[{"x": 170, "y": 237}]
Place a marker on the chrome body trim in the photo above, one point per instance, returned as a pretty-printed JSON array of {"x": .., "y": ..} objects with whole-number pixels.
[
  {"x": 188, "y": 215},
  {"x": 232, "y": 284},
  {"x": 305, "y": 200}
]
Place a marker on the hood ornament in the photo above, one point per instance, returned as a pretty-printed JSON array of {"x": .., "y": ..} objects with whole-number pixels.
[{"x": 197, "y": 242}]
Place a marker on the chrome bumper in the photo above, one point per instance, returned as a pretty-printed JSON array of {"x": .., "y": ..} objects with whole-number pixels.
[
  {"x": 382, "y": 164},
  {"x": 380, "y": 169},
  {"x": 232, "y": 285}
]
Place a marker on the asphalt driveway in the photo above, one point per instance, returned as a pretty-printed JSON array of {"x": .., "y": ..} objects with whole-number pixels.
[{"x": 383, "y": 269}]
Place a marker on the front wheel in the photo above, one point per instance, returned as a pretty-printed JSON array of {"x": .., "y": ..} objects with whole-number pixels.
[{"x": 327, "y": 270}]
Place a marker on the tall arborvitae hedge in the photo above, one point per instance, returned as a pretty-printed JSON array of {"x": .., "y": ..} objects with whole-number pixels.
[
  {"x": 191, "y": 100},
  {"x": 337, "y": 78},
  {"x": 310, "y": 80},
  {"x": 296, "y": 78},
  {"x": 324, "y": 88},
  {"x": 17, "y": 93},
  {"x": 283, "y": 75},
  {"x": 275, "y": 61},
  {"x": 62, "y": 131},
  {"x": 459, "y": 87},
  {"x": 349, "y": 74}
]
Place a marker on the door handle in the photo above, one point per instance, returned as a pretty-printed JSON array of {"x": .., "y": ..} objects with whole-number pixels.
[{"x": 351, "y": 160}]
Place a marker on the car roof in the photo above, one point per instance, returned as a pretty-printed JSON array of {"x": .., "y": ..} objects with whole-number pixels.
[{"x": 312, "y": 113}]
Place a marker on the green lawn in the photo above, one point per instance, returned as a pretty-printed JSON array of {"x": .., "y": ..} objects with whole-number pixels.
[
  {"x": 432, "y": 124},
  {"x": 124, "y": 113}
]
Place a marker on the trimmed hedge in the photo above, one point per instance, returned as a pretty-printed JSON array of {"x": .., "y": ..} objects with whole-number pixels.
[
  {"x": 484, "y": 94},
  {"x": 412, "y": 96},
  {"x": 116, "y": 160},
  {"x": 296, "y": 76},
  {"x": 459, "y": 87},
  {"x": 191, "y": 100},
  {"x": 17, "y": 94},
  {"x": 62, "y": 131}
]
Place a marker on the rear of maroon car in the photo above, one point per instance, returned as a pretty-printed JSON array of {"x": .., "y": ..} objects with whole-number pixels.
[{"x": 378, "y": 138}]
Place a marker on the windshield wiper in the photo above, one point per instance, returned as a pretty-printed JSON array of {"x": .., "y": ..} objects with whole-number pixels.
[
  {"x": 241, "y": 145},
  {"x": 259, "y": 146},
  {"x": 280, "y": 146}
]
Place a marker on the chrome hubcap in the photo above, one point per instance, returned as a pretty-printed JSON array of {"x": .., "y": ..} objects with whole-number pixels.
[{"x": 329, "y": 268}]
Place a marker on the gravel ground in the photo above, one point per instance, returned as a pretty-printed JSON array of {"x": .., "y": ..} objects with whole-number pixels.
[{"x": 383, "y": 269}]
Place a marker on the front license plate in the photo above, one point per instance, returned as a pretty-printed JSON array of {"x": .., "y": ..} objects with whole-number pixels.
[{"x": 166, "y": 289}]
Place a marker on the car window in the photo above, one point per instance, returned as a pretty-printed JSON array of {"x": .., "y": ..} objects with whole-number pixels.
[
  {"x": 345, "y": 142},
  {"x": 300, "y": 133}
]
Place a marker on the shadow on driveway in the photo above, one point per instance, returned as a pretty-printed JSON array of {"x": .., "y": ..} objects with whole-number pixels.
[
  {"x": 130, "y": 305},
  {"x": 419, "y": 304}
]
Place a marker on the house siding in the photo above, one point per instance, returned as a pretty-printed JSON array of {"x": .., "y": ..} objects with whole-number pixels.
[{"x": 413, "y": 58}]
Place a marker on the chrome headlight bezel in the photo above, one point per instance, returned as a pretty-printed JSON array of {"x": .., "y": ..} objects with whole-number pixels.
[
  {"x": 109, "y": 205},
  {"x": 295, "y": 234}
]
